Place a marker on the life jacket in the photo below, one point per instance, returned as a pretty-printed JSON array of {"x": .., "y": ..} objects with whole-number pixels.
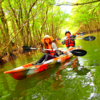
[
  {"x": 51, "y": 52},
  {"x": 70, "y": 42}
]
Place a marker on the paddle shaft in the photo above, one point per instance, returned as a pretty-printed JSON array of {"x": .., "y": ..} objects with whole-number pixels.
[
  {"x": 87, "y": 38},
  {"x": 76, "y": 52},
  {"x": 40, "y": 49},
  {"x": 46, "y": 49}
]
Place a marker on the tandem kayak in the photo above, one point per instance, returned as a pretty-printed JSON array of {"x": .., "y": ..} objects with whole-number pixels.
[{"x": 28, "y": 70}]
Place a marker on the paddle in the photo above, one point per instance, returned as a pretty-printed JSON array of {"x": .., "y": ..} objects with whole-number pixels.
[
  {"x": 76, "y": 52},
  {"x": 87, "y": 38},
  {"x": 31, "y": 48}
]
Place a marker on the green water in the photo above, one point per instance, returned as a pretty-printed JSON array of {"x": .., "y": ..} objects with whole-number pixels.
[{"x": 62, "y": 82}]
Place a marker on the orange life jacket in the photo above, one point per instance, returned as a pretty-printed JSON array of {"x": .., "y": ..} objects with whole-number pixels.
[
  {"x": 70, "y": 42},
  {"x": 51, "y": 52}
]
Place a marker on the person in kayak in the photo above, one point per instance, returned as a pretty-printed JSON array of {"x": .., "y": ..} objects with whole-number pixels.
[
  {"x": 51, "y": 49},
  {"x": 69, "y": 39}
]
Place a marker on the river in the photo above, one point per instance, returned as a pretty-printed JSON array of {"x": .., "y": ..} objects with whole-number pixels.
[{"x": 77, "y": 79}]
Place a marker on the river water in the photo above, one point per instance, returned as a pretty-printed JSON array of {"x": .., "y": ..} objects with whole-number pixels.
[{"x": 76, "y": 79}]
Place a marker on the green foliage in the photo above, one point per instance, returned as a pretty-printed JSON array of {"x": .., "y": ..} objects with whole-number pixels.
[
  {"x": 32, "y": 18},
  {"x": 86, "y": 14},
  {"x": 29, "y": 18}
]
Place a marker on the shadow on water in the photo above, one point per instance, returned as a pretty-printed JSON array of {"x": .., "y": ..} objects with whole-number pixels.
[{"x": 55, "y": 74}]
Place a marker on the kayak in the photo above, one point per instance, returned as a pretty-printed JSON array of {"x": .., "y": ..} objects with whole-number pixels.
[{"x": 30, "y": 69}]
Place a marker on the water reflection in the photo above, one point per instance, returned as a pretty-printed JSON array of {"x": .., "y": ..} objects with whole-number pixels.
[
  {"x": 49, "y": 81},
  {"x": 30, "y": 82},
  {"x": 76, "y": 67},
  {"x": 70, "y": 65},
  {"x": 76, "y": 79},
  {"x": 52, "y": 77}
]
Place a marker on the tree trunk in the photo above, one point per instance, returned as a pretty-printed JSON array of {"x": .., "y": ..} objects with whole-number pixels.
[{"x": 5, "y": 28}]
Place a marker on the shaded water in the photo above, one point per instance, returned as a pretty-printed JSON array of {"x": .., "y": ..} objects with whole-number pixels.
[{"x": 77, "y": 79}]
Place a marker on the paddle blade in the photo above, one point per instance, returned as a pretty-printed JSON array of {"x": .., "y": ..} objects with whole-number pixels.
[
  {"x": 89, "y": 38},
  {"x": 78, "y": 52},
  {"x": 26, "y": 48}
]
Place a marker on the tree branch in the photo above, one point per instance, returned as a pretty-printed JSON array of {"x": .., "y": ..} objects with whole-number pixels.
[
  {"x": 95, "y": 8},
  {"x": 32, "y": 6},
  {"x": 24, "y": 23},
  {"x": 75, "y": 4},
  {"x": 1, "y": 1}
]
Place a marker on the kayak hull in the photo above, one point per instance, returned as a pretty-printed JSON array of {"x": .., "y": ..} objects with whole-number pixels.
[{"x": 28, "y": 70}]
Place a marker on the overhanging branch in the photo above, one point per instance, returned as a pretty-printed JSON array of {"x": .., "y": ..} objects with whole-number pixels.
[
  {"x": 1, "y": 1},
  {"x": 75, "y": 4}
]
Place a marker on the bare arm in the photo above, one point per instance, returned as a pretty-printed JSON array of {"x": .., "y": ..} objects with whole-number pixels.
[
  {"x": 58, "y": 42},
  {"x": 78, "y": 29}
]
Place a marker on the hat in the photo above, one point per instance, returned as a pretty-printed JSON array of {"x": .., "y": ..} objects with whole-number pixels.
[
  {"x": 67, "y": 32},
  {"x": 47, "y": 36}
]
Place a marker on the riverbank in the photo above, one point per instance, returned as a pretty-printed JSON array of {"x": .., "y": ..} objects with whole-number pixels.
[{"x": 15, "y": 54}]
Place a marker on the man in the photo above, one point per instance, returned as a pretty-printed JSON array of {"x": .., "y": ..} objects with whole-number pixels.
[{"x": 69, "y": 39}]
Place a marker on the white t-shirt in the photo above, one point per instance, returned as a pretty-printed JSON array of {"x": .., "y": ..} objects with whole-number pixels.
[{"x": 54, "y": 46}]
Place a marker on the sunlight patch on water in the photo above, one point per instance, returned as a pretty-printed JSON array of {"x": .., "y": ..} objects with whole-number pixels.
[
  {"x": 82, "y": 60},
  {"x": 34, "y": 96},
  {"x": 72, "y": 76},
  {"x": 92, "y": 95},
  {"x": 69, "y": 69},
  {"x": 4, "y": 96},
  {"x": 97, "y": 50}
]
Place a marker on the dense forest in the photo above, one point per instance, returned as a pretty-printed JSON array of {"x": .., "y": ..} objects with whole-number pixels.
[{"x": 25, "y": 22}]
